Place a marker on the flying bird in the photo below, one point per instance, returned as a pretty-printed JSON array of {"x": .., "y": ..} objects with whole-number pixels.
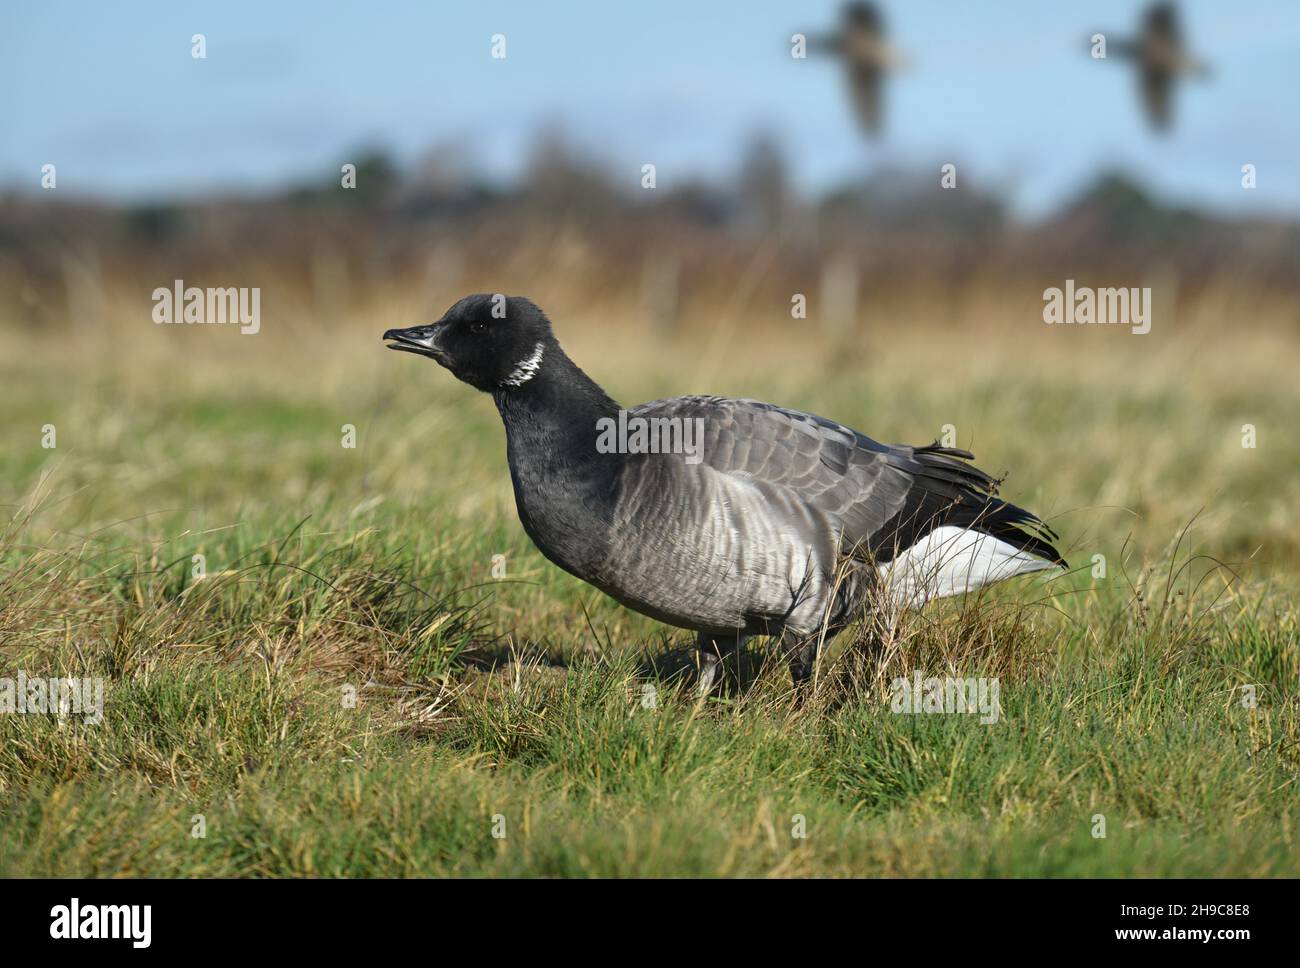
[
  {"x": 860, "y": 43},
  {"x": 761, "y": 520},
  {"x": 1161, "y": 59}
]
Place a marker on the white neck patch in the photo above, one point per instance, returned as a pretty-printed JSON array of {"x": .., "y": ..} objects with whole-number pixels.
[{"x": 526, "y": 369}]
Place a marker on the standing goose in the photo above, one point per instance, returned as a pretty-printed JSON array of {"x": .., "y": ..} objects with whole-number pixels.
[{"x": 766, "y": 521}]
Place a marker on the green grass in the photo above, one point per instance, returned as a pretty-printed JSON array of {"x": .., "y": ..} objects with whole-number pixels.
[
  {"x": 590, "y": 781},
  {"x": 521, "y": 704}
]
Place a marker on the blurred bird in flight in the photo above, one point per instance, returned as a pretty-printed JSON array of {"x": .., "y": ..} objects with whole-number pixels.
[
  {"x": 1161, "y": 59},
  {"x": 860, "y": 42}
]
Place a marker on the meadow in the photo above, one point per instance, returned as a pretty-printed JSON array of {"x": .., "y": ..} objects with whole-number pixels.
[{"x": 351, "y": 688}]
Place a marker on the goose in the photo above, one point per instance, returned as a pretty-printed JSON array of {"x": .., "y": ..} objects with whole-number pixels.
[
  {"x": 1161, "y": 59},
  {"x": 751, "y": 519},
  {"x": 861, "y": 43}
]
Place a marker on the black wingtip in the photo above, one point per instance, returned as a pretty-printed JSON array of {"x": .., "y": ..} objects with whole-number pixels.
[{"x": 937, "y": 448}]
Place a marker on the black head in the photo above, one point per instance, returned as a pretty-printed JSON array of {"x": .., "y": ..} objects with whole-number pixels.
[
  {"x": 1161, "y": 20},
  {"x": 863, "y": 16},
  {"x": 490, "y": 341}
]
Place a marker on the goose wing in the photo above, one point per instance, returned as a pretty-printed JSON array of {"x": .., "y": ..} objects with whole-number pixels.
[{"x": 878, "y": 498}]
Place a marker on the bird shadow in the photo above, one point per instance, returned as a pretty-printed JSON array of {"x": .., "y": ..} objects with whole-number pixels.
[
  {"x": 677, "y": 664},
  {"x": 494, "y": 657}
]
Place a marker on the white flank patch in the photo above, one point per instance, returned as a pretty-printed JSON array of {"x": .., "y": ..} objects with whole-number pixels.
[
  {"x": 952, "y": 561},
  {"x": 524, "y": 372}
]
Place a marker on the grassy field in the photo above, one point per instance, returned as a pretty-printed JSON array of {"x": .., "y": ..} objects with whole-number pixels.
[{"x": 525, "y": 725}]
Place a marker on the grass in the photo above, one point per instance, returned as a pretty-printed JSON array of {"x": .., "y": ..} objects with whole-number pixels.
[{"x": 348, "y": 690}]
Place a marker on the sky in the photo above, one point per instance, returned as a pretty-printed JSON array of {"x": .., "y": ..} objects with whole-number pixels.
[{"x": 110, "y": 93}]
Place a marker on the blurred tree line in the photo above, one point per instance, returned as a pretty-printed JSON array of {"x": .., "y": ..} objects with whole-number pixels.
[{"x": 438, "y": 223}]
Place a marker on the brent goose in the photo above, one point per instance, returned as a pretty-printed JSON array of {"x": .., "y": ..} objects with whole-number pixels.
[
  {"x": 727, "y": 517},
  {"x": 860, "y": 42},
  {"x": 1161, "y": 59}
]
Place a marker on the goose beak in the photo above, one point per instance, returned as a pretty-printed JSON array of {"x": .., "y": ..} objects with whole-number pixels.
[{"x": 421, "y": 340}]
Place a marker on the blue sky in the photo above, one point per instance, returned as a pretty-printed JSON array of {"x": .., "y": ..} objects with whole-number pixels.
[{"x": 110, "y": 93}]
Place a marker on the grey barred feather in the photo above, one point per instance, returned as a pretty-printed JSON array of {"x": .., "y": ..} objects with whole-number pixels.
[{"x": 779, "y": 500}]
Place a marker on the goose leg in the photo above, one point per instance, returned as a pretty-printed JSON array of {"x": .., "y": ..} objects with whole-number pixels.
[
  {"x": 803, "y": 657},
  {"x": 714, "y": 651},
  {"x": 802, "y": 651}
]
